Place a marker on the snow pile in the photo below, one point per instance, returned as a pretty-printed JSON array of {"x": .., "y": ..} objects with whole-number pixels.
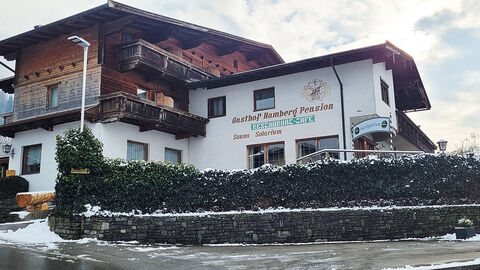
[
  {"x": 20, "y": 214},
  {"x": 36, "y": 233},
  {"x": 452, "y": 237},
  {"x": 438, "y": 266}
]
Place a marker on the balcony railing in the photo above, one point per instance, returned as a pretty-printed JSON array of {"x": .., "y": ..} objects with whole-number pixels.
[
  {"x": 143, "y": 55},
  {"x": 149, "y": 115},
  {"x": 413, "y": 134}
]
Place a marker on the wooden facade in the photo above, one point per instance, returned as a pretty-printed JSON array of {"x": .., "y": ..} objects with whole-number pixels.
[
  {"x": 130, "y": 49},
  {"x": 413, "y": 134}
]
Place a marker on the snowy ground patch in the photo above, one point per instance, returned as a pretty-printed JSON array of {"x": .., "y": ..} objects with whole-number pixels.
[
  {"x": 439, "y": 266},
  {"x": 36, "y": 233},
  {"x": 452, "y": 237}
]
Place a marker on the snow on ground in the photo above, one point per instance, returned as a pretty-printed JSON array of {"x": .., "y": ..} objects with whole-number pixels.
[
  {"x": 438, "y": 266},
  {"x": 35, "y": 233},
  {"x": 151, "y": 249}
]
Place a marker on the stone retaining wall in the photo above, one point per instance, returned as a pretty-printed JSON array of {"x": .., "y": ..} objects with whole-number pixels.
[
  {"x": 7, "y": 206},
  {"x": 270, "y": 227}
]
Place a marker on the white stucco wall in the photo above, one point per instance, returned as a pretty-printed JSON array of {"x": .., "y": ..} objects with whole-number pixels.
[
  {"x": 114, "y": 137},
  {"x": 219, "y": 149},
  {"x": 382, "y": 109}
]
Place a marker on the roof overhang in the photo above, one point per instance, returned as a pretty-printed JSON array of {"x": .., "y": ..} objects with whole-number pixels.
[
  {"x": 112, "y": 11},
  {"x": 45, "y": 121},
  {"x": 410, "y": 94}
]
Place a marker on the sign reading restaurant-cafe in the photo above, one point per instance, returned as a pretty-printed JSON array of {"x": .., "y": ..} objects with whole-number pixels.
[{"x": 373, "y": 125}]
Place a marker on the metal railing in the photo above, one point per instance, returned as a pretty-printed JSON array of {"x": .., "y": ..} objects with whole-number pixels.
[{"x": 324, "y": 153}]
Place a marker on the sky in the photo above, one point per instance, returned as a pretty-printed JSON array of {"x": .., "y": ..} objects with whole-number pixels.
[{"x": 442, "y": 36}]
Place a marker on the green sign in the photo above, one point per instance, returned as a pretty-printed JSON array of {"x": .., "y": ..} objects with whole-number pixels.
[{"x": 284, "y": 122}]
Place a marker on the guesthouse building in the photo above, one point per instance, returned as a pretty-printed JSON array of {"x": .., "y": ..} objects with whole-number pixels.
[{"x": 167, "y": 90}]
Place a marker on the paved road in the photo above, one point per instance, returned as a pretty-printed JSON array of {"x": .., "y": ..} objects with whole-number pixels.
[{"x": 98, "y": 255}]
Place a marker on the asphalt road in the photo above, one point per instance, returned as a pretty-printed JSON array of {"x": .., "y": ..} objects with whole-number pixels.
[{"x": 102, "y": 255}]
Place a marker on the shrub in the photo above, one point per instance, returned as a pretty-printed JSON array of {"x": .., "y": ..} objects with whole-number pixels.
[
  {"x": 465, "y": 222},
  {"x": 77, "y": 150},
  {"x": 10, "y": 186},
  {"x": 123, "y": 186}
]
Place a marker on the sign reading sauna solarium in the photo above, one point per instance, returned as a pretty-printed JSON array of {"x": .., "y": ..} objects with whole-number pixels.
[{"x": 273, "y": 122}]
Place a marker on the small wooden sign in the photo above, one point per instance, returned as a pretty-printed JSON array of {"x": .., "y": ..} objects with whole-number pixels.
[
  {"x": 80, "y": 171},
  {"x": 10, "y": 173}
]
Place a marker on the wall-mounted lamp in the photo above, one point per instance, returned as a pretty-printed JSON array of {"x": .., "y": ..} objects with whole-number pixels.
[{"x": 8, "y": 149}]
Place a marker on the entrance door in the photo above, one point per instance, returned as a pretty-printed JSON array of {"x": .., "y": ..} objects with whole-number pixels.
[
  {"x": 3, "y": 166},
  {"x": 363, "y": 144}
]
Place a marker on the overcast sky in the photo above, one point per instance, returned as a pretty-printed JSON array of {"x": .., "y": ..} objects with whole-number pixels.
[{"x": 442, "y": 36}]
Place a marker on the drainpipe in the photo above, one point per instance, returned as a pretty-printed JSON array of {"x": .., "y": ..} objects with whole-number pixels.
[{"x": 343, "y": 108}]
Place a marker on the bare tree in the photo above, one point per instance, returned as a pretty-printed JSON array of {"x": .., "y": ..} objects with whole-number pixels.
[{"x": 469, "y": 145}]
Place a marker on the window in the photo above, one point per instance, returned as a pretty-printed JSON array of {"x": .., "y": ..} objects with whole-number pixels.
[
  {"x": 264, "y": 99},
  {"x": 271, "y": 153},
  {"x": 384, "y": 87},
  {"x": 52, "y": 96},
  {"x": 176, "y": 103},
  {"x": 172, "y": 155},
  {"x": 137, "y": 151},
  {"x": 126, "y": 37},
  {"x": 312, "y": 145},
  {"x": 142, "y": 93},
  {"x": 32, "y": 156},
  {"x": 216, "y": 107}
]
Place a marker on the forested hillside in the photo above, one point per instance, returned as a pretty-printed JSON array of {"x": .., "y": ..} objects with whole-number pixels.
[{"x": 6, "y": 104}]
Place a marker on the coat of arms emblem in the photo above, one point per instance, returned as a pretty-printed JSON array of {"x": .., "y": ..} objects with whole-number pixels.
[{"x": 316, "y": 90}]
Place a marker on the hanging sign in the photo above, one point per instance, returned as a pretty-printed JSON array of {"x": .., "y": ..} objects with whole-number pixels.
[
  {"x": 80, "y": 171},
  {"x": 373, "y": 125}
]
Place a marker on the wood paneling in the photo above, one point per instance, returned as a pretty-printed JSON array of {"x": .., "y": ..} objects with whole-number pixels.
[
  {"x": 55, "y": 57},
  {"x": 128, "y": 82}
]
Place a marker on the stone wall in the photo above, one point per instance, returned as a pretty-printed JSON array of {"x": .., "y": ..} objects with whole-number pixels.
[
  {"x": 7, "y": 206},
  {"x": 270, "y": 227}
]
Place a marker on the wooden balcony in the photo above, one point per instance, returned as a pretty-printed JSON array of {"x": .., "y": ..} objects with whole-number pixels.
[
  {"x": 149, "y": 115},
  {"x": 144, "y": 56},
  {"x": 413, "y": 134}
]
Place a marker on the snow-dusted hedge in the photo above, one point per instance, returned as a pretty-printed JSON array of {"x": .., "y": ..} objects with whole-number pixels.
[
  {"x": 10, "y": 186},
  {"x": 124, "y": 186}
]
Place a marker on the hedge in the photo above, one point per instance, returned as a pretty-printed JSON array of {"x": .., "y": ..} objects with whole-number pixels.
[
  {"x": 10, "y": 186},
  {"x": 123, "y": 186}
]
